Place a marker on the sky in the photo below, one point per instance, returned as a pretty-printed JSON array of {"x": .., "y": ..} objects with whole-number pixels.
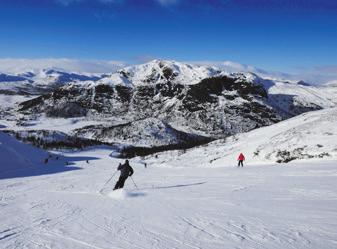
[{"x": 278, "y": 35}]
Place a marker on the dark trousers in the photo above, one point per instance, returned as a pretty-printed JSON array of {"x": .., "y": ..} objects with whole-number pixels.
[
  {"x": 240, "y": 163},
  {"x": 120, "y": 182}
]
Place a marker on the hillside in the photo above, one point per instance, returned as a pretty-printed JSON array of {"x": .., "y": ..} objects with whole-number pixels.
[
  {"x": 15, "y": 155},
  {"x": 310, "y": 136}
]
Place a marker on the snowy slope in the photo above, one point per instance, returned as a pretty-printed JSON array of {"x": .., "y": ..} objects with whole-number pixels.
[
  {"x": 184, "y": 208},
  {"x": 16, "y": 155},
  {"x": 309, "y": 136}
]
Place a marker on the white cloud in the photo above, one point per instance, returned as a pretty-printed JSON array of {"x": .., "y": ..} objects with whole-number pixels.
[
  {"x": 314, "y": 75},
  {"x": 10, "y": 65},
  {"x": 228, "y": 66},
  {"x": 318, "y": 74}
]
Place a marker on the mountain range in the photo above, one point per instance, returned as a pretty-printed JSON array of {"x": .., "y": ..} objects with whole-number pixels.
[{"x": 156, "y": 104}]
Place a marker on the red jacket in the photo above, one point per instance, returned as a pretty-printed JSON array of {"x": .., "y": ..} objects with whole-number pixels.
[{"x": 241, "y": 157}]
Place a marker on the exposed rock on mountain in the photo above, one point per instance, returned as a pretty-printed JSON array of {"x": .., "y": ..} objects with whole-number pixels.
[
  {"x": 214, "y": 107},
  {"x": 162, "y": 103}
]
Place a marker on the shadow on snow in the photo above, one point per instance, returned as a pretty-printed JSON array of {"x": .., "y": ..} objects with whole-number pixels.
[{"x": 52, "y": 167}]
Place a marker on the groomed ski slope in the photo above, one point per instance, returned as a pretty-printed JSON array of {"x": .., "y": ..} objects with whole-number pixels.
[{"x": 270, "y": 206}]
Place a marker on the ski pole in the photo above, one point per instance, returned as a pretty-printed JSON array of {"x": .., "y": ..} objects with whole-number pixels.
[
  {"x": 134, "y": 182},
  {"x": 108, "y": 181},
  {"x": 111, "y": 177}
]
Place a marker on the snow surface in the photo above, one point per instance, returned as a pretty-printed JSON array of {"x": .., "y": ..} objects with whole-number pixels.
[
  {"x": 58, "y": 206},
  {"x": 16, "y": 155}
]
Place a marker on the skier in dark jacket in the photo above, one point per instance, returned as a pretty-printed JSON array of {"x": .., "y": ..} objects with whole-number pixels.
[{"x": 126, "y": 171}]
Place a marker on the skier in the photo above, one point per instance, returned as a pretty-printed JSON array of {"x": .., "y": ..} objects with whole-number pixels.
[
  {"x": 126, "y": 171},
  {"x": 241, "y": 158}
]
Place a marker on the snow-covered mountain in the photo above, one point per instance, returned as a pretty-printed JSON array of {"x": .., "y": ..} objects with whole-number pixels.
[
  {"x": 161, "y": 72},
  {"x": 40, "y": 82},
  {"x": 309, "y": 136},
  {"x": 291, "y": 98},
  {"x": 214, "y": 107},
  {"x": 135, "y": 103}
]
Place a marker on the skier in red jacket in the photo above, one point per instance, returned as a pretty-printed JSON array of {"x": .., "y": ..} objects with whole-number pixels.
[{"x": 241, "y": 158}]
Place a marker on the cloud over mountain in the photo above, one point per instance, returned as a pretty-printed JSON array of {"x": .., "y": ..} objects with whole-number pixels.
[{"x": 10, "y": 65}]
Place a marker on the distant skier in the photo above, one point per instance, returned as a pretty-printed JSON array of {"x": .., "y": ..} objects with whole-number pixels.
[
  {"x": 126, "y": 171},
  {"x": 46, "y": 161},
  {"x": 241, "y": 158}
]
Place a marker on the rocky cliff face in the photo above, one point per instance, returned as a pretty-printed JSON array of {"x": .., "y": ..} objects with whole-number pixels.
[{"x": 214, "y": 107}]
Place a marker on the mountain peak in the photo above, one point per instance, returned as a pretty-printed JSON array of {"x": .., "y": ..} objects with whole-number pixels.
[{"x": 161, "y": 71}]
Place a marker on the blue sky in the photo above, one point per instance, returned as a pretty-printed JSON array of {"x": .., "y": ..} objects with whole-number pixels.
[{"x": 283, "y": 35}]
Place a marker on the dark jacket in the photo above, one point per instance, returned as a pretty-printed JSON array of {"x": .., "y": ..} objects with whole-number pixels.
[{"x": 126, "y": 170}]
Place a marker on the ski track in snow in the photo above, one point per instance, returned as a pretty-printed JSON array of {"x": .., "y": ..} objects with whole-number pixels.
[{"x": 287, "y": 206}]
